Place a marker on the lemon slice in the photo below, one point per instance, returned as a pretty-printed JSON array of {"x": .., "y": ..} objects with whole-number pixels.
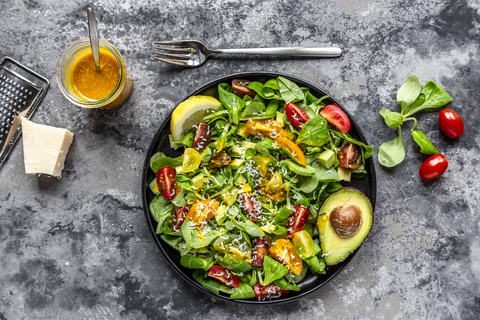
[{"x": 190, "y": 113}]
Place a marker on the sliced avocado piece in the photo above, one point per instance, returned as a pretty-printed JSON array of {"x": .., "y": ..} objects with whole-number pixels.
[
  {"x": 240, "y": 180},
  {"x": 335, "y": 247},
  {"x": 279, "y": 119},
  {"x": 237, "y": 163},
  {"x": 262, "y": 163},
  {"x": 242, "y": 130},
  {"x": 236, "y": 149},
  {"x": 327, "y": 158},
  {"x": 344, "y": 174},
  {"x": 248, "y": 144},
  {"x": 198, "y": 181},
  {"x": 179, "y": 169},
  {"x": 220, "y": 215},
  {"x": 230, "y": 196}
]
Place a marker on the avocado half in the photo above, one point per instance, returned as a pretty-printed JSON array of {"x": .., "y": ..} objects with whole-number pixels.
[{"x": 334, "y": 248}]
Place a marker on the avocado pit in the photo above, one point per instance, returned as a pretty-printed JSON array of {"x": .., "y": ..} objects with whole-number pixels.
[{"x": 345, "y": 220}]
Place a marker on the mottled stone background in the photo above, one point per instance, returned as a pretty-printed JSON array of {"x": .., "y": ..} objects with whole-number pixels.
[{"x": 79, "y": 247}]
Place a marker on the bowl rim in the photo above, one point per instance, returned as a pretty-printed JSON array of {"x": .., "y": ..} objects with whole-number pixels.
[{"x": 145, "y": 185}]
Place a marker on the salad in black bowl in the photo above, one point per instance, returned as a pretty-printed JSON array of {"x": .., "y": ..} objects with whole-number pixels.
[{"x": 259, "y": 188}]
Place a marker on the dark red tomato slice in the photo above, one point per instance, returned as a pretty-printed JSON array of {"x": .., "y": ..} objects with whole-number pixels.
[
  {"x": 433, "y": 167},
  {"x": 167, "y": 183},
  {"x": 450, "y": 123},
  {"x": 247, "y": 204},
  {"x": 224, "y": 275},
  {"x": 296, "y": 115},
  {"x": 297, "y": 220},
  {"x": 336, "y": 117},
  {"x": 268, "y": 292},
  {"x": 203, "y": 137},
  {"x": 180, "y": 213},
  {"x": 261, "y": 246},
  {"x": 240, "y": 88},
  {"x": 350, "y": 156}
]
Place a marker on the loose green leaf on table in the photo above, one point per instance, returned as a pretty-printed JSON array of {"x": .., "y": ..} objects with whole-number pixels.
[
  {"x": 426, "y": 147},
  {"x": 408, "y": 92},
  {"x": 392, "y": 152}
]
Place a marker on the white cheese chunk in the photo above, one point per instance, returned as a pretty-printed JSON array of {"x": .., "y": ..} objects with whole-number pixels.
[{"x": 45, "y": 148}]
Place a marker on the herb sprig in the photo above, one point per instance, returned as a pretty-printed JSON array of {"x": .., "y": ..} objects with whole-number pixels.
[{"x": 412, "y": 99}]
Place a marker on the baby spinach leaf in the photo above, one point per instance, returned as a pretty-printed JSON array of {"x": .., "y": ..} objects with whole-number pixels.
[
  {"x": 283, "y": 215},
  {"x": 309, "y": 185},
  {"x": 314, "y": 132},
  {"x": 160, "y": 209},
  {"x": 172, "y": 241},
  {"x": 269, "y": 90},
  {"x": 435, "y": 97},
  {"x": 392, "y": 152},
  {"x": 193, "y": 262},
  {"x": 273, "y": 269},
  {"x": 249, "y": 227},
  {"x": 152, "y": 185},
  {"x": 233, "y": 103},
  {"x": 201, "y": 277},
  {"x": 244, "y": 291},
  {"x": 408, "y": 92},
  {"x": 194, "y": 239},
  {"x": 394, "y": 120},
  {"x": 426, "y": 147},
  {"x": 298, "y": 169},
  {"x": 323, "y": 174},
  {"x": 160, "y": 160},
  {"x": 234, "y": 264},
  {"x": 282, "y": 283},
  {"x": 289, "y": 90}
]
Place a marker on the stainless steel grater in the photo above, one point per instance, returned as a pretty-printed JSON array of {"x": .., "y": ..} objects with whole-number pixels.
[{"x": 21, "y": 91}]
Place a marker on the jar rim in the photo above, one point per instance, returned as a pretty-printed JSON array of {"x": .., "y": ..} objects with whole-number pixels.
[{"x": 83, "y": 44}]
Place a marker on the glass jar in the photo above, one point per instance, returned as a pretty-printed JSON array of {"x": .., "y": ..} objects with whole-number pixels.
[{"x": 66, "y": 66}]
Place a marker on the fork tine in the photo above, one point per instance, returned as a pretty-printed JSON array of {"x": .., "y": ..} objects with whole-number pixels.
[
  {"x": 175, "y": 55},
  {"x": 174, "y": 49},
  {"x": 173, "y": 61},
  {"x": 173, "y": 42}
]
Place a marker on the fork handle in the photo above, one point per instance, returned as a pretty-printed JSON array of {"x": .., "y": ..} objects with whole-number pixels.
[{"x": 328, "y": 52}]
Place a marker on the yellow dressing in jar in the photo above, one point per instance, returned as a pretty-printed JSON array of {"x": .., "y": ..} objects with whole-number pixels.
[{"x": 90, "y": 84}]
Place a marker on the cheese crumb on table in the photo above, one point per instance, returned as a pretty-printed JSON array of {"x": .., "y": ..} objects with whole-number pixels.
[{"x": 45, "y": 148}]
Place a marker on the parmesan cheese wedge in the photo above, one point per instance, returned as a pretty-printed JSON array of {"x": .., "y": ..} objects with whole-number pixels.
[{"x": 45, "y": 148}]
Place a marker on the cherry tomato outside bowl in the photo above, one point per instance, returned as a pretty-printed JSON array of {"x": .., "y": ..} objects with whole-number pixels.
[
  {"x": 433, "y": 167},
  {"x": 451, "y": 123}
]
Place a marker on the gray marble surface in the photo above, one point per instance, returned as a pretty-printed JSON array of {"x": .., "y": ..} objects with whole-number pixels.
[{"x": 79, "y": 247}]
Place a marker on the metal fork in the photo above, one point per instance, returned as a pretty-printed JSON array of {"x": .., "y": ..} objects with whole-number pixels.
[{"x": 193, "y": 53}]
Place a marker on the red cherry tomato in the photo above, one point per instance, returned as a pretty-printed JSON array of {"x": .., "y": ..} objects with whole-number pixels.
[
  {"x": 433, "y": 167},
  {"x": 240, "y": 88},
  {"x": 297, "y": 220},
  {"x": 296, "y": 115},
  {"x": 167, "y": 183},
  {"x": 224, "y": 275},
  {"x": 350, "y": 156},
  {"x": 451, "y": 123},
  {"x": 268, "y": 292},
  {"x": 180, "y": 214},
  {"x": 336, "y": 117},
  {"x": 261, "y": 245}
]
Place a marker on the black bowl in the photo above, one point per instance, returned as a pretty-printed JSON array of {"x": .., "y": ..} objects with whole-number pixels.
[{"x": 161, "y": 142}]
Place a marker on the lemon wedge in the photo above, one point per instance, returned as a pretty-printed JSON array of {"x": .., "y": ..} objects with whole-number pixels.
[{"x": 188, "y": 114}]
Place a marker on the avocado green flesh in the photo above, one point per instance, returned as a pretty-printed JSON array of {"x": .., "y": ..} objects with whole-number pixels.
[{"x": 334, "y": 248}]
